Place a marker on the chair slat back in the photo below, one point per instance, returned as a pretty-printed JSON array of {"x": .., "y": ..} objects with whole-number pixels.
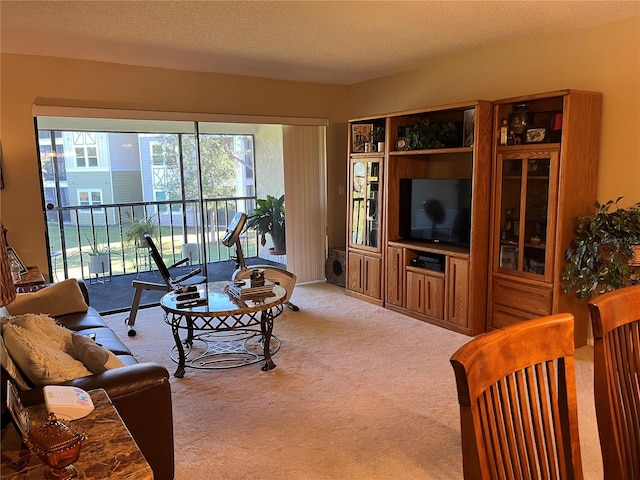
[
  {"x": 516, "y": 389},
  {"x": 616, "y": 330}
]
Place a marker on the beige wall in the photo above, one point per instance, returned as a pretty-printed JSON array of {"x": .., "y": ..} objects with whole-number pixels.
[
  {"x": 603, "y": 59},
  {"x": 82, "y": 83}
]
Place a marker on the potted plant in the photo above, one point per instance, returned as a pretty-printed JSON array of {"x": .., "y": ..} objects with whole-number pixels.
[
  {"x": 99, "y": 255},
  {"x": 136, "y": 230},
  {"x": 427, "y": 134},
  {"x": 378, "y": 138},
  {"x": 268, "y": 217},
  {"x": 601, "y": 256}
]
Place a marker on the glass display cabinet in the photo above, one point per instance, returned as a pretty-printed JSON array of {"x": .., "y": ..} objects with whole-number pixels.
[
  {"x": 364, "y": 259},
  {"x": 545, "y": 175},
  {"x": 525, "y": 204},
  {"x": 365, "y": 203}
]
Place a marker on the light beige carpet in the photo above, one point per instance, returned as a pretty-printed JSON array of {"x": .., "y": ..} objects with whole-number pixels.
[{"x": 359, "y": 392}]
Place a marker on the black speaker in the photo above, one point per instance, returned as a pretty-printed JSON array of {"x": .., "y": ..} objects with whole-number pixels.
[{"x": 334, "y": 267}]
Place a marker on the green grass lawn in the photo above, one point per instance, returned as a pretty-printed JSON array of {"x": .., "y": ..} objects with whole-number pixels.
[{"x": 125, "y": 257}]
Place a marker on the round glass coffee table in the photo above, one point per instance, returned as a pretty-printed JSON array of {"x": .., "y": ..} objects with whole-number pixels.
[{"x": 224, "y": 332}]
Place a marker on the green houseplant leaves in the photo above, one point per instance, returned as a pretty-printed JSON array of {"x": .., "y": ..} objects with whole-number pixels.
[
  {"x": 268, "y": 217},
  {"x": 598, "y": 258},
  {"x": 135, "y": 231}
]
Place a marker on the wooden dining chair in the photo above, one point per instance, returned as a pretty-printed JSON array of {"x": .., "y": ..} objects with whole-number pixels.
[
  {"x": 517, "y": 395},
  {"x": 615, "y": 317}
]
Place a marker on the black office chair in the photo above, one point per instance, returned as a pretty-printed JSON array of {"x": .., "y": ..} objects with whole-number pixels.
[{"x": 170, "y": 283}]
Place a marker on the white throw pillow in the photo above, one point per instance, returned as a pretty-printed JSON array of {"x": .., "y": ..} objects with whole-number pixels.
[
  {"x": 46, "y": 329},
  {"x": 41, "y": 362}
]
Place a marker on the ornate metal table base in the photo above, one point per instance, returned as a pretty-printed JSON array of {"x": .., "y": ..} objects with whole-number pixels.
[
  {"x": 222, "y": 350},
  {"x": 226, "y": 332}
]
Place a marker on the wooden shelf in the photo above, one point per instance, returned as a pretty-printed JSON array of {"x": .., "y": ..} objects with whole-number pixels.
[
  {"x": 527, "y": 147},
  {"x": 458, "y": 294},
  {"x": 549, "y": 198},
  {"x": 432, "y": 151}
]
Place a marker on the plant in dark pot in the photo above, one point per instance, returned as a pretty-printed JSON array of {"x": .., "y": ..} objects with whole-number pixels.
[
  {"x": 268, "y": 218},
  {"x": 605, "y": 253}
]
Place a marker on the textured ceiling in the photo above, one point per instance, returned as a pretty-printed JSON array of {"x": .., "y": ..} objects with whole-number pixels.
[{"x": 336, "y": 42}]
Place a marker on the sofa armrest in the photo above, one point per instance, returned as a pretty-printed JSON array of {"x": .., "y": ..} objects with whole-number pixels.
[{"x": 142, "y": 395}]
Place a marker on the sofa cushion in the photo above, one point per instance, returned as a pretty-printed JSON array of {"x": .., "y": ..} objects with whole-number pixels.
[
  {"x": 95, "y": 357},
  {"x": 108, "y": 339},
  {"x": 58, "y": 299},
  {"x": 81, "y": 321},
  {"x": 41, "y": 362}
]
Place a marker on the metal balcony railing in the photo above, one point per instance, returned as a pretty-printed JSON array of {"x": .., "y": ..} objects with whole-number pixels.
[{"x": 188, "y": 228}]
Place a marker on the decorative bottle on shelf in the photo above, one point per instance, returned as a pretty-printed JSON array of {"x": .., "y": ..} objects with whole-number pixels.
[
  {"x": 508, "y": 222},
  {"x": 519, "y": 120},
  {"x": 504, "y": 132}
]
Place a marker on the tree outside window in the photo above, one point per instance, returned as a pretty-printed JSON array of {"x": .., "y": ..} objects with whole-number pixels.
[{"x": 225, "y": 166}]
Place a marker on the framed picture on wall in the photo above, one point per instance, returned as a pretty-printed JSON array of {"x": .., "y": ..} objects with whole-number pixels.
[
  {"x": 19, "y": 414},
  {"x": 536, "y": 135},
  {"x": 509, "y": 257},
  {"x": 13, "y": 258},
  {"x": 468, "y": 128},
  {"x": 361, "y": 134}
]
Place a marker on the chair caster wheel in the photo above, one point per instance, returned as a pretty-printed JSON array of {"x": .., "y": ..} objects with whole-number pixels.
[
  {"x": 132, "y": 331},
  {"x": 295, "y": 308}
]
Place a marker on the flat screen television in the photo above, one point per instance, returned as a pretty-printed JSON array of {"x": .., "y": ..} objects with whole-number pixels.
[{"x": 436, "y": 210}]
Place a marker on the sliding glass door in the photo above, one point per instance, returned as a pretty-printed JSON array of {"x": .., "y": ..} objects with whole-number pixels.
[{"x": 107, "y": 182}]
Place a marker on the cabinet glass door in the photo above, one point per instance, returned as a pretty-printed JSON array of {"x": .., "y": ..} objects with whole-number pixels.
[
  {"x": 365, "y": 204},
  {"x": 525, "y": 206}
]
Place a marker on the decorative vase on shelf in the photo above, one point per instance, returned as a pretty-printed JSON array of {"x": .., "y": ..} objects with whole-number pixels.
[{"x": 519, "y": 120}]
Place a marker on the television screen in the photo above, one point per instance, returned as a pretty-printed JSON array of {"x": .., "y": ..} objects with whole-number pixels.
[{"x": 436, "y": 210}]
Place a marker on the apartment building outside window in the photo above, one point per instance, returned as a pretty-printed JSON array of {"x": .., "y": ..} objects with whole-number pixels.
[{"x": 86, "y": 149}]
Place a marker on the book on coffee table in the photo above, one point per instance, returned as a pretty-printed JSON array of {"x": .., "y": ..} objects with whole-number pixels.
[{"x": 243, "y": 289}]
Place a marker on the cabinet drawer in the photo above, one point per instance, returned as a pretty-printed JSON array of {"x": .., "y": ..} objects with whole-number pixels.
[
  {"x": 503, "y": 316},
  {"x": 519, "y": 296}
]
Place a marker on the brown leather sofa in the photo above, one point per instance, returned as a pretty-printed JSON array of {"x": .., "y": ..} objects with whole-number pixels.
[{"x": 141, "y": 392}]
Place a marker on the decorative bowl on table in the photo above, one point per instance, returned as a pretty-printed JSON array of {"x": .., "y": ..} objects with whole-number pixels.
[{"x": 57, "y": 445}]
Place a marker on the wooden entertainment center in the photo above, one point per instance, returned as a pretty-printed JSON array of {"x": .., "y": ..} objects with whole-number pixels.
[{"x": 525, "y": 167}]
